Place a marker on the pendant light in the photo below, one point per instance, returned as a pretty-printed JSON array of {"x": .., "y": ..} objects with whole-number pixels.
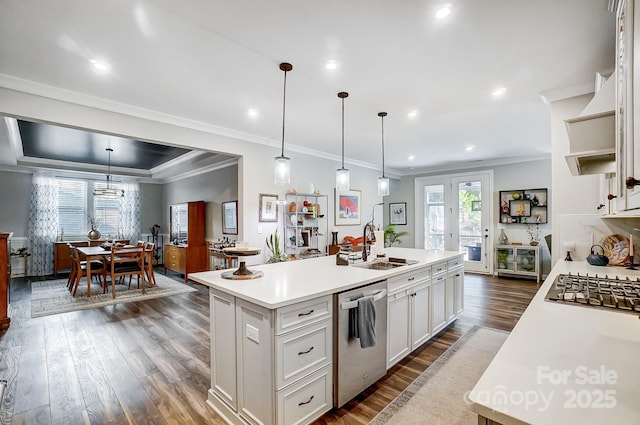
[
  {"x": 108, "y": 192},
  {"x": 282, "y": 165},
  {"x": 383, "y": 182},
  {"x": 342, "y": 174}
]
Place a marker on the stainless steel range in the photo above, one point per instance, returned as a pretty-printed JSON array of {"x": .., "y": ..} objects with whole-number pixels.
[{"x": 596, "y": 291}]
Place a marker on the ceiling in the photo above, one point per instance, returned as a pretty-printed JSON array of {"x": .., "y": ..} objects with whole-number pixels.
[{"x": 211, "y": 61}]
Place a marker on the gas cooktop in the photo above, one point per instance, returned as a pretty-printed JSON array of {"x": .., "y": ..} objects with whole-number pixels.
[{"x": 595, "y": 291}]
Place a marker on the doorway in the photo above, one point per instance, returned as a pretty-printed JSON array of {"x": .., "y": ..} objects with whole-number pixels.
[{"x": 451, "y": 216}]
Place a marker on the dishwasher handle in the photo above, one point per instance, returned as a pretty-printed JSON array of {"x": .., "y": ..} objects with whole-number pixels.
[{"x": 353, "y": 304}]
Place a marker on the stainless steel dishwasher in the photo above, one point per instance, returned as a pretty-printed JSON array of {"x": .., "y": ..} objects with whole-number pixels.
[{"x": 356, "y": 368}]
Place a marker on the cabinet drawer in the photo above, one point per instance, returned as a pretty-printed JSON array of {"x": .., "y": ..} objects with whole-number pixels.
[
  {"x": 306, "y": 400},
  {"x": 294, "y": 316},
  {"x": 302, "y": 351},
  {"x": 438, "y": 268},
  {"x": 410, "y": 278},
  {"x": 458, "y": 262}
]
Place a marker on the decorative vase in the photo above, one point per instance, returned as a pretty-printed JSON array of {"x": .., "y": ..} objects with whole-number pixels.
[
  {"x": 93, "y": 234},
  {"x": 502, "y": 239}
]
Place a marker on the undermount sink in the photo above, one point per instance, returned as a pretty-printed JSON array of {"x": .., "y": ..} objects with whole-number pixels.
[{"x": 379, "y": 265}]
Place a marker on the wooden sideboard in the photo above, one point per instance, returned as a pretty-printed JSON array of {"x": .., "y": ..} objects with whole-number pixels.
[
  {"x": 62, "y": 257},
  {"x": 193, "y": 256},
  {"x": 5, "y": 279}
]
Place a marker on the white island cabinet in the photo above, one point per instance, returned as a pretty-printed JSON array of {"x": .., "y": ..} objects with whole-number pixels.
[{"x": 272, "y": 342}]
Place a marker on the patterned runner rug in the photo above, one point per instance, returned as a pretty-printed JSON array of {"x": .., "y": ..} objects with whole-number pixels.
[
  {"x": 53, "y": 297},
  {"x": 439, "y": 395}
]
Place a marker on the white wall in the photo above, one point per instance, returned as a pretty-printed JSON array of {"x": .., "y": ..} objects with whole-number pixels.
[{"x": 255, "y": 171}]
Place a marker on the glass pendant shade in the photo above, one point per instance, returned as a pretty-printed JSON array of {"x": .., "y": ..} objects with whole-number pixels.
[
  {"x": 383, "y": 186},
  {"x": 282, "y": 164},
  {"x": 342, "y": 179},
  {"x": 383, "y": 182},
  {"x": 282, "y": 170},
  {"x": 108, "y": 191},
  {"x": 342, "y": 174}
]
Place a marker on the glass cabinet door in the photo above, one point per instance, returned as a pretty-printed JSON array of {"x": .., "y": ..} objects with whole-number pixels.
[
  {"x": 526, "y": 260},
  {"x": 504, "y": 258}
]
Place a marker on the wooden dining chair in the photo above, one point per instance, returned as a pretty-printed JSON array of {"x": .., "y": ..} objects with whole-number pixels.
[
  {"x": 149, "y": 251},
  {"x": 79, "y": 270},
  {"x": 126, "y": 261}
]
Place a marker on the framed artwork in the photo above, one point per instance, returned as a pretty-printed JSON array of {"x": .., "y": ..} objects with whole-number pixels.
[
  {"x": 230, "y": 218},
  {"x": 476, "y": 205},
  {"x": 398, "y": 213},
  {"x": 348, "y": 204},
  {"x": 268, "y": 208}
]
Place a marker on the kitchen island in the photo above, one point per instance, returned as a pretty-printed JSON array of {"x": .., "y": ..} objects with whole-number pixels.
[
  {"x": 565, "y": 363},
  {"x": 272, "y": 338}
]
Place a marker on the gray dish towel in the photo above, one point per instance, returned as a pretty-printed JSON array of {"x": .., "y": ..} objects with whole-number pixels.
[{"x": 362, "y": 322}]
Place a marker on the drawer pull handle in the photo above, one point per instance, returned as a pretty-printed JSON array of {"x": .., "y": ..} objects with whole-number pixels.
[
  {"x": 411, "y": 278},
  {"x": 458, "y": 275},
  {"x": 305, "y": 314},
  {"x": 305, "y": 352},
  {"x": 302, "y": 403}
]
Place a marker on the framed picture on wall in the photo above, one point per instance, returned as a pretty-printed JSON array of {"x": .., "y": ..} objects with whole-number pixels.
[
  {"x": 268, "y": 208},
  {"x": 398, "y": 213},
  {"x": 230, "y": 218},
  {"x": 348, "y": 204}
]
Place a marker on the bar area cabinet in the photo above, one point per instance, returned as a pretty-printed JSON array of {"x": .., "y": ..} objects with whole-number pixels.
[
  {"x": 5, "y": 279},
  {"x": 187, "y": 252},
  {"x": 522, "y": 260}
]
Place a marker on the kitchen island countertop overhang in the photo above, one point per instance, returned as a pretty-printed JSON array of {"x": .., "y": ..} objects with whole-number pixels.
[{"x": 291, "y": 282}]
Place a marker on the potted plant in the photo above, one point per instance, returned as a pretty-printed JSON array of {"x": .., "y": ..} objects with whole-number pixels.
[
  {"x": 273, "y": 244},
  {"x": 534, "y": 233},
  {"x": 391, "y": 236}
]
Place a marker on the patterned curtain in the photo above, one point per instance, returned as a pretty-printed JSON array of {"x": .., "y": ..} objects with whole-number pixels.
[
  {"x": 130, "y": 212},
  {"x": 43, "y": 224}
]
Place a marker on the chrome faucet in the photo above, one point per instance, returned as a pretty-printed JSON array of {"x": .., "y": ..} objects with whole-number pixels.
[{"x": 366, "y": 247}]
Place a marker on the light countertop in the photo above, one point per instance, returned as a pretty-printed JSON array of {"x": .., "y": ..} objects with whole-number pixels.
[
  {"x": 565, "y": 364},
  {"x": 294, "y": 281}
]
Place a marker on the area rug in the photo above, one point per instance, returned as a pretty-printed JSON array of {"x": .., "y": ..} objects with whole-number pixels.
[
  {"x": 53, "y": 297},
  {"x": 439, "y": 395}
]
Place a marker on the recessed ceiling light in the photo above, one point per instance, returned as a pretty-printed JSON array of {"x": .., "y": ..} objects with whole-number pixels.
[
  {"x": 443, "y": 12},
  {"x": 331, "y": 65},
  {"x": 469, "y": 148},
  {"x": 412, "y": 114},
  {"x": 412, "y": 157},
  {"x": 499, "y": 91},
  {"x": 99, "y": 65},
  {"x": 252, "y": 112}
]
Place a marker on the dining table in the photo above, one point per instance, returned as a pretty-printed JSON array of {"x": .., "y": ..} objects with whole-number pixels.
[{"x": 92, "y": 253}]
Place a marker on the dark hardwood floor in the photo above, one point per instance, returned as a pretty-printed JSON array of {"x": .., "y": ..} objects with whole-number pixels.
[{"x": 149, "y": 362}]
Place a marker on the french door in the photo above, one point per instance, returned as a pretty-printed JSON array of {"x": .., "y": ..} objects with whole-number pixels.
[{"x": 451, "y": 216}]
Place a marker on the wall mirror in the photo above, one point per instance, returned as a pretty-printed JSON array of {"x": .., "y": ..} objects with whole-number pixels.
[
  {"x": 230, "y": 218},
  {"x": 179, "y": 217}
]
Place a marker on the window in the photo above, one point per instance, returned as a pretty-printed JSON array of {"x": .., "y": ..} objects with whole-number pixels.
[
  {"x": 72, "y": 206},
  {"x": 107, "y": 213},
  {"x": 76, "y": 204}
]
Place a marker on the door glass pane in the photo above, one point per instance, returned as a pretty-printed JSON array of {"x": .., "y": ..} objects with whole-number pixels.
[
  {"x": 470, "y": 219},
  {"x": 434, "y": 217}
]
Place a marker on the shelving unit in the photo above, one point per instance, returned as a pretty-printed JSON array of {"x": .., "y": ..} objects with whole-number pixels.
[
  {"x": 523, "y": 260},
  {"x": 527, "y": 206},
  {"x": 305, "y": 224}
]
